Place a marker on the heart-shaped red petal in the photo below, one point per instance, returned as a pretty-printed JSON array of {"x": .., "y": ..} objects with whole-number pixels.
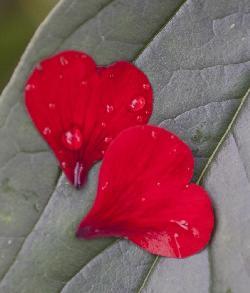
[
  {"x": 144, "y": 195},
  {"x": 79, "y": 108}
]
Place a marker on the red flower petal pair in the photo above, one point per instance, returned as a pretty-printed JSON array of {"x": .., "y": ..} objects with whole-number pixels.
[
  {"x": 144, "y": 195},
  {"x": 79, "y": 108}
]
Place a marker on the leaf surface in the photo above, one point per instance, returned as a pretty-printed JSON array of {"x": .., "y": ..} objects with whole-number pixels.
[{"x": 198, "y": 65}]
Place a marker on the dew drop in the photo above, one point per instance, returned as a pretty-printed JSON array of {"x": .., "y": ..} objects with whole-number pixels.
[
  {"x": 188, "y": 168},
  {"x": 63, "y": 164},
  {"x": 158, "y": 183},
  {"x": 60, "y": 76},
  {"x": 63, "y": 61},
  {"x": 174, "y": 150},
  {"x": 138, "y": 104},
  {"x": 139, "y": 118},
  {"x": 143, "y": 199},
  {"x": 146, "y": 86},
  {"x": 232, "y": 25},
  {"x": 146, "y": 112},
  {"x": 46, "y": 131},
  {"x": 107, "y": 139},
  {"x": 187, "y": 185},
  {"x": 29, "y": 87},
  {"x": 111, "y": 75},
  {"x": 84, "y": 82},
  {"x": 109, "y": 108},
  {"x": 103, "y": 152},
  {"x": 195, "y": 232},
  {"x": 172, "y": 136},
  {"x": 39, "y": 67},
  {"x": 153, "y": 134},
  {"x": 182, "y": 223},
  {"x": 72, "y": 139},
  {"x": 103, "y": 124},
  {"x": 105, "y": 186},
  {"x": 52, "y": 106}
]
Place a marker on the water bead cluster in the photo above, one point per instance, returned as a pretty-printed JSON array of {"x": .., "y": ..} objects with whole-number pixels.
[{"x": 86, "y": 113}]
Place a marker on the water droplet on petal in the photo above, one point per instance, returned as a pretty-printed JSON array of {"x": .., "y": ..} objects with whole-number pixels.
[
  {"x": 103, "y": 124},
  {"x": 146, "y": 86},
  {"x": 108, "y": 139},
  {"x": 39, "y": 67},
  {"x": 63, "y": 61},
  {"x": 60, "y": 76},
  {"x": 63, "y": 164},
  {"x": 105, "y": 186},
  {"x": 172, "y": 136},
  {"x": 109, "y": 108},
  {"x": 52, "y": 106},
  {"x": 72, "y": 139},
  {"x": 182, "y": 223},
  {"x": 143, "y": 199},
  {"x": 84, "y": 82},
  {"x": 158, "y": 183},
  {"x": 195, "y": 232},
  {"x": 188, "y": 168},
  {"x": 46, "y": 131},
  {"x": 174, "y": 150},
  {"x": 153, "y": 134},
  {"x": 111, "y": 75},
  {"x": 139, "y": 118},
  {"x": 137, "y": 104},
  {"x": 187, "y": 185},
  {"x": 29, "y": 87},
  {"x": 103, "y": 152}
]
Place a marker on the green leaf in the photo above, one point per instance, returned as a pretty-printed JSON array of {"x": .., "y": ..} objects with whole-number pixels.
[
  {"x": 197, "y": 64},
  {"x": 106, "y": 29}
]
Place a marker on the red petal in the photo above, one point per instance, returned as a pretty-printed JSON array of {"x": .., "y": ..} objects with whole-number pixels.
[
  {"x": 145, "y": 196},
  {"x": 79, "y": 108}
]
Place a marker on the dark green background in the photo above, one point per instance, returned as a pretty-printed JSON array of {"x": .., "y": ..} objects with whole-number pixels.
[{"x": 18, "y": 21}]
